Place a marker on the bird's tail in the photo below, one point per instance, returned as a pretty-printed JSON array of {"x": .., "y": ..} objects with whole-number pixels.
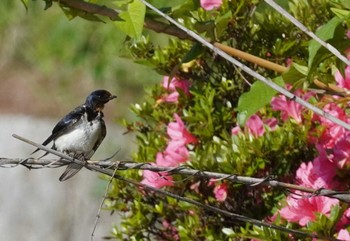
[{"x": 71, "y": 170}]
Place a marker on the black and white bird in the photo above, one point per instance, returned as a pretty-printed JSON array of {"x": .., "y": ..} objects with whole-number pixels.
[{"x": 80, "y": 132}]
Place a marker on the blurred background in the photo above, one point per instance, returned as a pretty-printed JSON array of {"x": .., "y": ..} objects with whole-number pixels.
[{"x": 48, "y": 65}]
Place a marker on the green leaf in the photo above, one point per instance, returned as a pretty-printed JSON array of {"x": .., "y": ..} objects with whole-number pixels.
[
  {"x": 194, "y": 52},
  {"x": 333, "y": 33},
  {"x": 133, "y": 19},
  {"x": 341, "y": 13},
  {"x": 295, "y": 72},
  {"x": 257, "y": 97},
  {"x": 221, "y": 23},
  {"x": 48, "y": 4},
  {"x": 344, "y": 3},
  {"x": 25, "y": 4}
]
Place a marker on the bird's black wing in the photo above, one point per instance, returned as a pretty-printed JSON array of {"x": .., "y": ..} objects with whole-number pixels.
[
  {"x": 65, "y": 124},
  {"x": 74, "y": 168}
]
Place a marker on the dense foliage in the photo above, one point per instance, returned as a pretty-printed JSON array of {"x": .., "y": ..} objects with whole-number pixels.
[{"x": 206, "y": 115}]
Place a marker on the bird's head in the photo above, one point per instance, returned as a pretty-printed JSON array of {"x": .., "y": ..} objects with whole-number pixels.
[{"x": 97, "y": 99}]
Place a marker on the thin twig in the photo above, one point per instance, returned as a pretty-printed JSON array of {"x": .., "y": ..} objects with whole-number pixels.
[{"x": 101, "y": 204}]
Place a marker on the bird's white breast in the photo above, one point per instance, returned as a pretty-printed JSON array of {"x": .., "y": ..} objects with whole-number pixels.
[{"x": 80, "y": 139}]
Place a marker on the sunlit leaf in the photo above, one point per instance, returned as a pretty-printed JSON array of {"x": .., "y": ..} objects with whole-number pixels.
[
  {"x": 257, "y": 97},
  {"x": 333, "y": 33},
  {"x": 133, "y": 19},
  {"x": 25, "y": 3}
]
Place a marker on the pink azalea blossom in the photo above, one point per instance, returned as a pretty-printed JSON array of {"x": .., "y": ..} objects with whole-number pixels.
[
  {"x": 212, "y": 181},
  {"x": 305, "y": 175},
  {"x": 343, "y": 81},
  {"x": 344, "y": 220},
  {"x": 289, "y": 62},
  {"x": 303, "y": 210},
  {"x": 220, "y": 192},
  {"x": 170, "y": 231},
  {"x": 332, "y": 132},
  {"x": 290, "y": 108},
  {"x": 210, "y": 4},
  {"x": 171, "y": 98},
  {"x": 195, "y": 186},
  {"x": 318, "y": 174},
  {"x": 334, "y": 110},
  {"x": 272, "y": 123},
  {"x": 156, "y": 180},
  {"x": 164, "y": 160},
  {"x": 177, "y": 132},
  {"x": 341, "y": 151},
  {"x": 325, "y": 169},
  {"x": 343, "y": 235},
  {"x": 330, "y": 135},
  {"x": 172, "y": 87},
  {"x": 255, "y": 126},
  {"x": 236, "y": 130},
  {"x": 174, "y": 154}
]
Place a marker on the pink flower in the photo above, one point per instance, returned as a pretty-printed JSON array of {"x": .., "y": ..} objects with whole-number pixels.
[
  {"x": 343, "y": 235},
  {"x": 177, "y": 151},
  {"x": 195, "y": 186},
  {"x": 341, "y": 151},
  {"x": 236, "y": 130},
  {"x": 289, "y": 62},
  {"x": 272, "y": 123},
  {"x": 325, "y": 169},
  {"x": 156, "y": 180},
  {"x": 171, "y": 232},
  {"x": 177, "y": 132},
  {"x": 171, "y": 98},
  {"x": 330, "y": 135},
  {"x": 210, "y": 4},
  {"x": 320, "y": 173},
  {"x": 290, "y": 108},
  {"x": 173, "y": 86},
  {"x": 220, "y": 192},
  {"x": 174, "y": 154},
  {"x": 332, "y": 132},
  {"x": 302, "y": 210},
  {"x": 344, "y": 220},
  {"x": 341, "y": 81},
  {"x": 305, "y": 175},
  {"x": 255, "y": 126}
]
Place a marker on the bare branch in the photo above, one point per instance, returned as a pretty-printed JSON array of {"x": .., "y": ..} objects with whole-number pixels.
[{"x": 149, "y": 23}]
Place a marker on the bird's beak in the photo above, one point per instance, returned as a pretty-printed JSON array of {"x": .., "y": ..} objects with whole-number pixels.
[{"x": 112, "y": 97}]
